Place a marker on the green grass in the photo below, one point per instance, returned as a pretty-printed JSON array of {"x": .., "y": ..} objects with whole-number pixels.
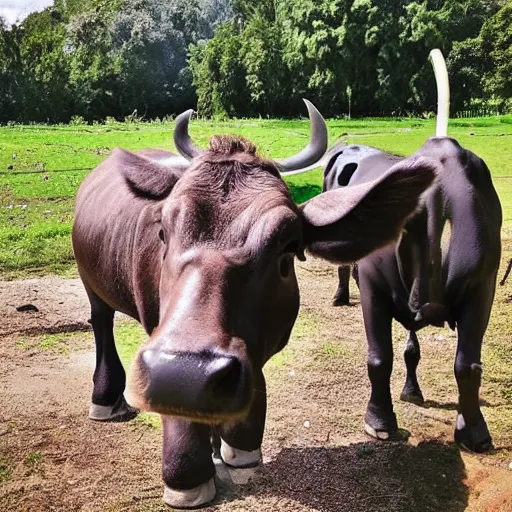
[
  {"x": 333, "y": 349},
  {"x": 129, "y": 337},
  {"x": 38, "y": 186},
  {"x": 5, "y": 470},
  {"x": 56, "y": 343},
  {"x": 34, "y": 463}
]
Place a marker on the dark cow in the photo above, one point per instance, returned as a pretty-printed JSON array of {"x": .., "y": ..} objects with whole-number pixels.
[
  {"x": 201, "y": 252},
  {"x": 418, "y": 280},
  {"x": 340, "y": 162}
]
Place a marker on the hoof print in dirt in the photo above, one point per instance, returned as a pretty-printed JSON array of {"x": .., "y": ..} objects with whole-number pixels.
[{"x": 27, "y": 308}]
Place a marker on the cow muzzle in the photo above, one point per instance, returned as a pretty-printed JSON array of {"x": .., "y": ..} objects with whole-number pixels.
[{"x": 205, "y": 386}]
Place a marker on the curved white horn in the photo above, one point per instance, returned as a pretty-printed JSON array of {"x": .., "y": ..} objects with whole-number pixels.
[
  {"x": 314, "y": 151},
  {"x": 184, "y": 144},
  {"x": 443, "y": 92}
]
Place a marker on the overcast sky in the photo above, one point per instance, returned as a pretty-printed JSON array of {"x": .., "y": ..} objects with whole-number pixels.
[{"x": 13, "y": 10}]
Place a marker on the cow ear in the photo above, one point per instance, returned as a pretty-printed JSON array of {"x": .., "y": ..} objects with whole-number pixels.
[
  {"x": 146, "y": 178},
  {"x": 346, "y": 224}
]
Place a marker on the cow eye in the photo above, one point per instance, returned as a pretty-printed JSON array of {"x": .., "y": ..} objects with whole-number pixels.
[{"x": 161, "y": 235}]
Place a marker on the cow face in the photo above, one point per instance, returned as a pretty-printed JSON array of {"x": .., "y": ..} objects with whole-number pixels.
[{"x": 228, "y": 235}]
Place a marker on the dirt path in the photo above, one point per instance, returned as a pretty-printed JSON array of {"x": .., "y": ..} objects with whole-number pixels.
[
  {"x": 61, "y": 306},
  {"x": 316, "y": 457}
]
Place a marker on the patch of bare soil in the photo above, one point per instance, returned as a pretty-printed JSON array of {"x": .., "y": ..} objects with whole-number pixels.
[
  {"x": 48, "y": 304},
  {"x": 316, "y": 456}
]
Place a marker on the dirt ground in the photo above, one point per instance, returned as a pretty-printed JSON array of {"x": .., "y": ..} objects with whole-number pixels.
[{"x": 316, "y": 456}]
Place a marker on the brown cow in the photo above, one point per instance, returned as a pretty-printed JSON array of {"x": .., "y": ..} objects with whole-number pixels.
[{"x": 202, "y": 254}]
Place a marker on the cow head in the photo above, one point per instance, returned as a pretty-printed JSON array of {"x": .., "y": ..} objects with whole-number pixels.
[
  {"x": 418, "y": 251},
  {"x": 228, "y": 233}
]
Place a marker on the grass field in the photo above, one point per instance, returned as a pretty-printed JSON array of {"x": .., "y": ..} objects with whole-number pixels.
[
  {"x": 52, "y": 456},
  {"x": 42, "y": 166}
]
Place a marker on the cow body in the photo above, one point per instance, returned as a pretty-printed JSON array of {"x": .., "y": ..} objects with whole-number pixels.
[
  {"x": 443, "y": 269},
  {"x": 202, "y": 254}
]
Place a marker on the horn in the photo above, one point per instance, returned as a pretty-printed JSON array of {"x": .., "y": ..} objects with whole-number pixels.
[
  {"x": 314, "y": 151},
  {"x": 443, "y": 91},
  {"x": 184, "y": 144}
]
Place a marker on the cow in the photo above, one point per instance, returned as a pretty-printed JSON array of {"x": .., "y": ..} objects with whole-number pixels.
[
  {"x": 339, "y": 163},
  {"x": 200, "y": 249},
  {"x": 441, "y": 270}
]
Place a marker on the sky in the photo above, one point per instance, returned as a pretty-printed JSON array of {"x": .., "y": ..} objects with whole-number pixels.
[{"x": 13, "y": 10}]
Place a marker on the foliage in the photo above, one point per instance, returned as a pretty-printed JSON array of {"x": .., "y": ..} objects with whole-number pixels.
[
  {"x": 373, "y": 50},
  {"x": 103, "y": 58},
  {"x": 496, "y": 42}
]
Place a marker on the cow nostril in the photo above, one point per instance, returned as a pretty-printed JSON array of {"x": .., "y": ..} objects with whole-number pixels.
[
  {"x": 200, "y": 383},
  {"x": 226, "y": 381}
]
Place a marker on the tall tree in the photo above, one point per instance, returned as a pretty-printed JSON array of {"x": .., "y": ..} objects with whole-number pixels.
[
  {"x": 45, "y": 67},
  {"x": 496, "y": 41},
  {"x": 11, "y": 73}
]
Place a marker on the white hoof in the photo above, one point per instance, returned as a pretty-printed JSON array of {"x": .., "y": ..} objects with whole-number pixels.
[
  {"x": 117, "y": 412},
  {"x": 239, "y": 458},
  {"x": 382, "y": 435},
  {"x": 190, "y": 498}
]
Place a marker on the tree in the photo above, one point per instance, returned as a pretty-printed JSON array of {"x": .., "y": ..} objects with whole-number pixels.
[
  {"x": 103, "y": 58},
  {"x": 219, "y": 75},
  {"x": 94, "y": 67},
  {"x": 44, "y": 78},
  {"x": 466, "y": 65},
  {"x": 11, "y": 73},
  {"x": 496, "y": 41},
  {"x": 151, "y": 39}
]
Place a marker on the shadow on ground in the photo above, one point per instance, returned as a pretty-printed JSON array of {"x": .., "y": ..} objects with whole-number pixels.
[
  {"x": 451, "y": 406},
  {"x": 387, "y": 477}
]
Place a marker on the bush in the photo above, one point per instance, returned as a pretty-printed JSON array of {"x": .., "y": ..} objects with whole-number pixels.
[{"x": 77, "y": 120}]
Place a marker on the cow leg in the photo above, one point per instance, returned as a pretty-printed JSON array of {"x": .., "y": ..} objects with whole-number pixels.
[
  {"x": 187, "y": 466},
  {"x": 108, "y": 403},
  {"x": 471, "y": 429},
  {"x": 342, "y": 295},
  {"x": 380, "y": 420},
  {"x": 241, "y": 441},
  {"x": 412, "y": 392}
]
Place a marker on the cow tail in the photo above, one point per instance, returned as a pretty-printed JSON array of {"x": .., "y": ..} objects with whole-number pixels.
[{"x": 443, "y": 92}]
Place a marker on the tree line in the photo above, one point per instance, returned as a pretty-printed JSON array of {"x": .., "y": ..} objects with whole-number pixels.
[{"x": 109, "y": 58}]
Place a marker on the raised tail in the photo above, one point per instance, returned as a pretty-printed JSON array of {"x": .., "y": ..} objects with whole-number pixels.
[{"x": 443, "y": 92}]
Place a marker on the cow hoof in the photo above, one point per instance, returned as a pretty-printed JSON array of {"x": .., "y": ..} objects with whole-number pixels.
[
  {"x": 190, "y": 498},
  {"x": 381, "y": 435},
  {"x": 120, "y": 411},
  {"x": 379, "y": 424},
  {"x": 476, "y": 438},
  {"x": 340, "y": 301},
  {"x": 235, "y": 458},
  {"x": 413, "y": 397}
]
